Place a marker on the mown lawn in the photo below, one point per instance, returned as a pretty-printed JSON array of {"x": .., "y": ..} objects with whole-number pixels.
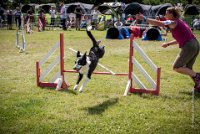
[{"x": 101, "y": 108}]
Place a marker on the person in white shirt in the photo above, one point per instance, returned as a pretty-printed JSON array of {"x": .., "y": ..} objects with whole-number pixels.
[{"x": 52, "y": 12}]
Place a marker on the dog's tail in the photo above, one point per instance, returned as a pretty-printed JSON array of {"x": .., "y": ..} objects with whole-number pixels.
[{"x": 95, "y": 43}]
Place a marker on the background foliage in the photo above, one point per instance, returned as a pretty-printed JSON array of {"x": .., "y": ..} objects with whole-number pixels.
[{"x": 8, "y": 3}]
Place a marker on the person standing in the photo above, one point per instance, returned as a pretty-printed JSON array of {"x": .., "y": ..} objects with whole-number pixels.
[
  {"x": 52, "y": 12},
  {"x": 78, "y": 11},
  {"x": 9, "y": 19},
  {"x": 95, "y": 16},
  {"x": 42, "y": 18},
  {"x": 63, "y": 15},
  {"x": 18, "y": 17},
  {"x": 185, "y": 39},
  {"x": 30, "y": 17}
]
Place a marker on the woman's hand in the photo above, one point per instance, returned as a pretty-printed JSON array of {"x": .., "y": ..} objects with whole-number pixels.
[{"x": 164, "y": 45}]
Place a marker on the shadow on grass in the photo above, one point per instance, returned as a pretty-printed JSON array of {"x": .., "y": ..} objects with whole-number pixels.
[
  {"x": 196, "y": 94},
  {"x": 100, "y": 108}
]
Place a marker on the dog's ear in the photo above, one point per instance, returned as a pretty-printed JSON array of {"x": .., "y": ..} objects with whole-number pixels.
[
  {"x": 78, "y": 54},
  {"x": 84, "y": 56}
]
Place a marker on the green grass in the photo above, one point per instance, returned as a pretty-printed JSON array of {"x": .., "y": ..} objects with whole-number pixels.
[{"x": 101, "y": 108}]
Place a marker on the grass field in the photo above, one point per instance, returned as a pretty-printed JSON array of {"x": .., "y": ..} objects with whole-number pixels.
[{"x": 101, "y": 108}]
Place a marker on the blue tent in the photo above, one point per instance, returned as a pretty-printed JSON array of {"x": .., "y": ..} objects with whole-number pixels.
[{"x": 118, "y": 33}]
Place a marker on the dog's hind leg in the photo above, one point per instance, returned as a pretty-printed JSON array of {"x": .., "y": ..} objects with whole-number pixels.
[
  {"x": 84, "y": 84},
  {"x": 80, "y": 76}
]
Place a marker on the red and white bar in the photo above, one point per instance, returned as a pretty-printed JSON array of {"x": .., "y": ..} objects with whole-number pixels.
[{"x": 134, "y": 79}]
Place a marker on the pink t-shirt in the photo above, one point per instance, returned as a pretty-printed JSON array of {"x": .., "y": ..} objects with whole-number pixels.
[{"x": 182, "y": 33}]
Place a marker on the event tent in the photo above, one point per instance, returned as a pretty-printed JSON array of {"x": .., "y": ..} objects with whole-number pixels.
[
  {"x": 26, "y": 7},
  {"x": 160, "y": 9},
  {"x": 192, "y": 9},
  {"x": 135, "y": 8},
  {"x": 85, "y": 7},
  {"x": 106, "y": 6},
  {"x": 46, "y": 7},
  {"x": 148, "y": 10}
]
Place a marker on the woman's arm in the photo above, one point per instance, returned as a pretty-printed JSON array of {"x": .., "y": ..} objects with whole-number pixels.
[
  {"x": 169, "y": 23},
  {"x": 173, "y": 42}
]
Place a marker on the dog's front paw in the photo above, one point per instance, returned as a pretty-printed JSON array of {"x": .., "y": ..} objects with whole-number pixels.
[
  {"x": 75, "y": 87},
  {"x": 81, "y": 89}
]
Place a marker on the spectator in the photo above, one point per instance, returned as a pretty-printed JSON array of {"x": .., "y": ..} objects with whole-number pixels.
[
  {"x": 129, "y": 20},
  {"x": 78, "y": 11},
  {"x": 63, "y": 15},
  {"x": 42, "y": 18},
  {"x": 18, "y": 17},
  {"x": 1, "y": 14},
  {"x": 52, "y": 12},
  {"x": 9, "y": 19},
  {"x": 30, "y": 17},
  {"x": 72, "y": 22},
  {"x": 95, "y": 14}
]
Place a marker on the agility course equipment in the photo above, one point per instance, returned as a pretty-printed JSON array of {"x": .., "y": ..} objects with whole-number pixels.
[
  {"x": 58, "y": 81},
  {"x": 40, "y": 25},
  {"x": 28, "y": 26},
  {"x": 20, "y": 34},
  {"x": 133, "y": 79}
]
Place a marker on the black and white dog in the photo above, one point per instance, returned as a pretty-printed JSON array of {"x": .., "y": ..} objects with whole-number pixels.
[{"x": 86, "y": 64}]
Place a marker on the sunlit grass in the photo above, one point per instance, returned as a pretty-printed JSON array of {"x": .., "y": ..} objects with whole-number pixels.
[{"x": 101, "y": 108}]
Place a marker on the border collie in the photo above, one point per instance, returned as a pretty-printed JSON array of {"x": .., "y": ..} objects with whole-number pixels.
[{"x": 86, "y": 64}]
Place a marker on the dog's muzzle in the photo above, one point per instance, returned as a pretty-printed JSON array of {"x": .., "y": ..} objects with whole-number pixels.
[{"x": 77, "y": 67}]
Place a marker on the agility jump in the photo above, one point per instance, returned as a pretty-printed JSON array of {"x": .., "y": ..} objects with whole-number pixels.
[
  {"x": 58, "y": 81},
  {"x": 133, "y": 79},
  {"x": 40, "y": 25}
]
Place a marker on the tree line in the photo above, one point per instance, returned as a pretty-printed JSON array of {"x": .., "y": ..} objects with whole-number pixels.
[{"x": 13, "y": 3}]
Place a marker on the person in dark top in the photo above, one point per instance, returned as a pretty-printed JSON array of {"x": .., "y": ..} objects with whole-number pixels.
[
  {"x": 2, "y": 17},
  {"x": 9, "y": 19},
  {"x": 18, "y": 17},
  {"x": 42, "y": 18},
  {"x": 78, "y": 11},
  {"x": 30, "y": 16}
]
